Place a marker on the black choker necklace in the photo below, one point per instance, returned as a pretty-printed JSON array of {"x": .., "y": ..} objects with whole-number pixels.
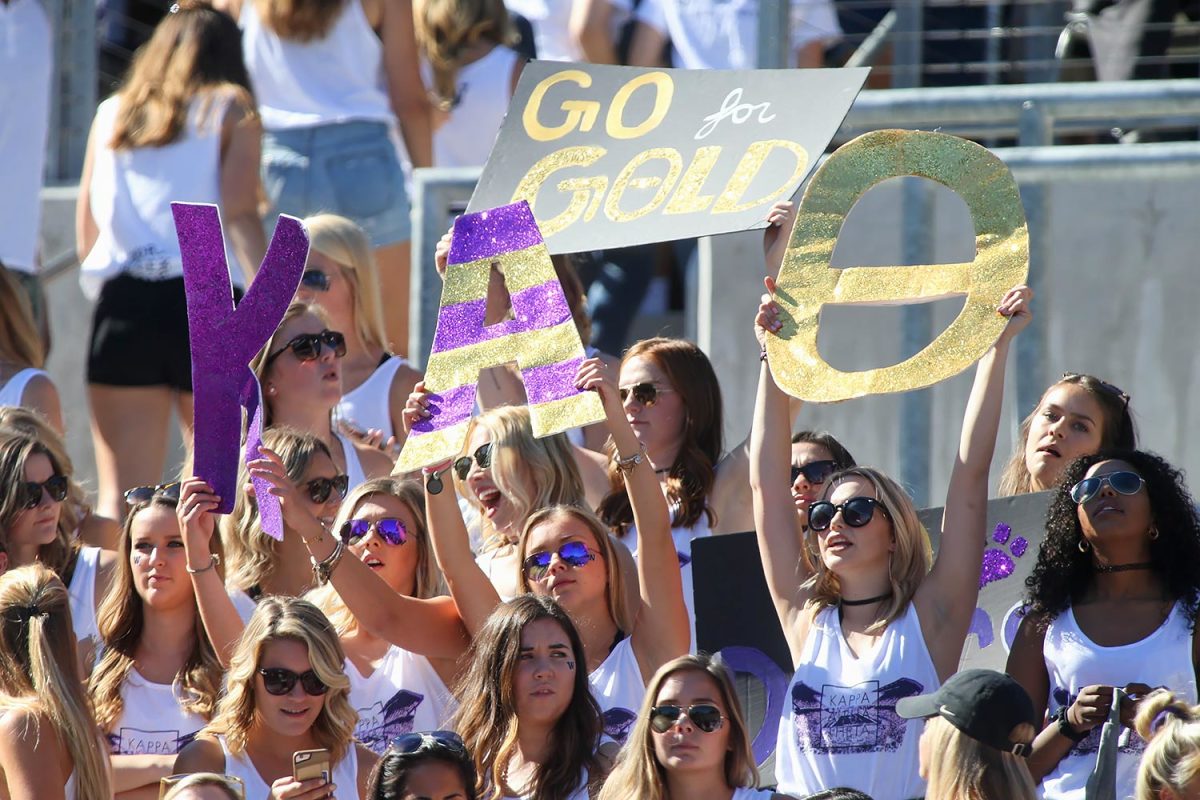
[
  {"x": 662, "y": 471},
  {"x": 1123, "y": 567},
  {"x": 866, "y": 602}
]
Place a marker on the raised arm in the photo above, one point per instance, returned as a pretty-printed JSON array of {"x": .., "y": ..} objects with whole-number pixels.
[
  {"x": 776, "y": 524},
  {"x": 406, "y": 91},
  {"x": 241, "y": 153},
  {"x": 590, "y": 27},
  {"x": 430, "y": 628},
  {"x": 661, "y": 631},
  {"x": 947, "y": 597},
  {"x": 221, "y": 621}
]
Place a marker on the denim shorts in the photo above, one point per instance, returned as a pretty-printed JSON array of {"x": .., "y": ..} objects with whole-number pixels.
[{"x": 347, "y": 168}]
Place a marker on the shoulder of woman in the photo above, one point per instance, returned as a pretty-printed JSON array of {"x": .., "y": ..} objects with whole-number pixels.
[
  {"x": 366, "y": 765},
  {"x": 23, "y": 731},
  {"x": 202, "y": 754}
]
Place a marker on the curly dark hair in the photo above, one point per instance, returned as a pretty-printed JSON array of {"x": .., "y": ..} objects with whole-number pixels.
[{"x": 1063, "y": 571}]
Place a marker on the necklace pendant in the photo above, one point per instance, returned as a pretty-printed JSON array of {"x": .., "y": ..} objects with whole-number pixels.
[{"x": 434, "y": 483}]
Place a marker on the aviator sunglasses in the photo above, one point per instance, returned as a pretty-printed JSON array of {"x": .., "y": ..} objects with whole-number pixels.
[
  {"x": 1122, "y": 482},
  {"x": 857, "y": 511},
  {"x": 574, "y": 554},
  {"x": 31, "y": 491},
  {"x": 704, "y": 716},
  {"x": 319, "y": 489},
  {"x": 409, "y": 743},
  {"x": 814, "y": 472},
  {"x": 307, "y": 346},
  {"x": 144, "y": 494},
  {"x": 279, "y": 681},
  {"x": 644, "y": 394},
  {"x": 483, "y": 457},
  {"x": 390, "y": 529}
]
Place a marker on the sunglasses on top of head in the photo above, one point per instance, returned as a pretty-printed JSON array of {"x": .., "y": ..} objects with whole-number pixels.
[
  {"x": 409, "y": 743},
  {"x": 857, "y": 512},
  {"x": 1123, "y": 482},
  {"x": 144, "y": 494},
  {"x": 391, "y": 530},
  {"x": 704, "y": 716},
  {"x": 1115, "y": 391},
  {"x": 307, "y": 346},
  {"x": 483, "y": 457},
  {"x": 319, "y": 489},
  {"x": 279, "y": 681},
  {"x": 644, "y": 394},
  {"x": 315, "y": 279},
  {"x": 31, "y": 491},
  {"x": 815, "y": 472},
  {"x": 573, "y": 554}
]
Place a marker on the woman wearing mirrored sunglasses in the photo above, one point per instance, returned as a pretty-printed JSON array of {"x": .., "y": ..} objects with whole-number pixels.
[
  {"x": 285, "y": 692},
  {"x": 1112, "y": 603},
  {"x": 342, "y": 277},
  {"x": 300, "y": 370},
  {"x": 394, "y": 689},
  {"x": 690, "y": 739},
  {"x": 434, "y": 764},
  {"x": 866, "y": 607}
]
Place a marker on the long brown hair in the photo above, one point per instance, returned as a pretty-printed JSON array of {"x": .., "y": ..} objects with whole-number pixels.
[
  {"x": 691, "y": 477},
  {"x": 20, "y": 342},
  {"x": 301, "y": 20},
  {"x": 487, "y": 719},
  {"x": 445, "y": 29},
  {"x": 194, "y": 51},
  {"x": 16, "y": 448}
]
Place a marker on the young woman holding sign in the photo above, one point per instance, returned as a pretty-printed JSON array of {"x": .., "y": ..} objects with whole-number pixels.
[
  {"x": 869, "y": 621},
  {"x": 1112, "y": 606}
]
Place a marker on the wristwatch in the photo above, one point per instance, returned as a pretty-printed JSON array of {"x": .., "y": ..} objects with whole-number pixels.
[{"x": 1066, "y": 728}]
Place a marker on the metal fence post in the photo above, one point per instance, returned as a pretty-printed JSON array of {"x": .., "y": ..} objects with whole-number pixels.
[
  {"x": 1036, "y": 129},
  {"x": 73, "y": 87},
  {"x": 774, "y": 34},
  {"x": 909, "y": 52},
  {"x": 916, "y": 407}
]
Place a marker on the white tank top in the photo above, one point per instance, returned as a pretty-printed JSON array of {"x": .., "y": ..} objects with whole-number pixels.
[
  {"x": 71, "y": 789},
  {"x": 81, "y": 596},
  {"x": 345, "y": 774},
  {"x": 152, "y": 719},
  {"x": 1073, "y": 661},
  {"x": 132, "y": 190},
  {"x": 749, "y": 793},
  {"x": 618, "y": 687},
  {"x": 482, "y": 88},
  {"x": 840, "y": 726},
  {"x": 403, "y": 694},
  {"x": 581, "y": 793},
  {"x": 354, "y": 470},
  {"x": 368, "y": 406},
  {"x": 683, "y": 549},
  {"x": 14, "y": 389},
  {"x": 337, "y": 78}
]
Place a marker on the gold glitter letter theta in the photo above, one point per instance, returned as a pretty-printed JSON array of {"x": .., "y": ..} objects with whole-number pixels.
[{"x": 807, "y": 282}]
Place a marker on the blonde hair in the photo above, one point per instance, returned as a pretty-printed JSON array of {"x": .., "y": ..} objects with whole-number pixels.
[
  {"x": 446, "y": 29},
  {"x": 638, "y": 772},
  {"x": 962, "y": 768},
  {"x": 259, "y": 365},
  {"x": 531, "y": 473},
  {"x": 39, "y": 670},
  {"x": 275, "y": 618},
  {"x": 615, "y": 590},
  {"x": 20, "y": 342},
  {"x": 252, "y": 553},
  {"x": 120, "y": 620},
  {"x": 910, "y": 561},
  {"x": 194, "y": 52},
  {"x": 301, "y": 20},
  {"x": 1172, "y": 757},
  {"x": 428, "y": 578},
  {"x": 344, "y": 242},
  {"x": 231, "y": 790}
]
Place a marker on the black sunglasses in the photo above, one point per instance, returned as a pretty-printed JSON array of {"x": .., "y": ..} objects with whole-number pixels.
[
  {"x": 144, "y": 494},
  {"x": 390, "y": 529},
  {"x": 704, "y": 716},
  {"x": 410, "y": 743},
  {"x": 319, "y": 489},
  {"x": 857, "y": 511},
  {"x": 1122, "y": 482},
  {"x": 31, "y": 491},
  {"x": 644, "y": 394},
  {"x": 483, "y": 457},
  {"x": 279, "y": 681},
  {"x": 315, "y": 279},
  {"x": 815, "y": 472},
  {"x": 307, "y": 346},
  {"x": 574, "y": 554}
]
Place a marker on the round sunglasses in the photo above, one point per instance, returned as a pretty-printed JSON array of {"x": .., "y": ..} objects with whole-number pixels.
[
  {"x": 644, "y": 394},
  {"x": 307, "y": 346},
  {"x": 319, "y": 489},
  {"x": 482, "y": 456},
  {"x": 857, "y": 512},
  {"x": 1123, "y": 482},
  {"x": 390, "y": 529},
  {"x": 31, "y": 491},
  {"x": 573, "y": 554},
  {"x": 279, "y": 681},
  {"x": 815, "y": 472},
  {"x": 704, "y": 716}
]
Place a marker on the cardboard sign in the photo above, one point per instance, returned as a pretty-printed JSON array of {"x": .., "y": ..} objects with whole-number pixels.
[
  {"x": 541, "y": 337},
  {"x": 614, "y": 156},
  {"x": 225, "y": 339},
  {"x": 737, "y": 618}
]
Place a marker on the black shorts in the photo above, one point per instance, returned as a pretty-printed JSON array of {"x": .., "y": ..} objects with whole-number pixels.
[{"x": 140, "y": 335}]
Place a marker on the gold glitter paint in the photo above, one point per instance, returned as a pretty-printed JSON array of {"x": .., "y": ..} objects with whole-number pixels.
[
  {"x": 557, "y": 416},
  {"x": 730, "y": 201},
  {"x": 522, "y": 269},
  {"x": 612, "y": 206},
  {"x": 540, "y": 172},
  {"x": 431, "y": 448},
  {"x": 687, "y": 198},
  {"x": 536, "y": 348},
  {"x": 807, "y": 282}
]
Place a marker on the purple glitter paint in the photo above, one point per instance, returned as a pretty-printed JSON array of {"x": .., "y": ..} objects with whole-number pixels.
[
  {"x": 447, "y": 408},
  {"x": 1002, "y": 532},
  {"x": 534, "y": 308},
  {"x": 551, "y": 382},
  {"x": 224, "y": 340},
  {"x": 491, "y": 233}
]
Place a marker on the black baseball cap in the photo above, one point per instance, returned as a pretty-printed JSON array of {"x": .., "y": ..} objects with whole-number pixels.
[{"x": 982, "y": 703}]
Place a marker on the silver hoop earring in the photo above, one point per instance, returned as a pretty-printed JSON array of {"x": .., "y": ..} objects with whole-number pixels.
[
  {"x": 1153, "y": 532},
  {"x": 1084, "y": 546}
]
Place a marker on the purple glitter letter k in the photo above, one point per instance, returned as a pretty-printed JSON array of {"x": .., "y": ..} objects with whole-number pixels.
[{"x": 225, "y": 339}]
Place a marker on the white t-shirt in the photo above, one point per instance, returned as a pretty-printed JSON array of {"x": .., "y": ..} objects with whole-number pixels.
[
  {"x": 723, "y": 34},
  {"x": 482, "y": 87},
  {"x": 81, "y": 596},
  {"x": 152, "y": 721},
  {"x": 551, "y": 21},
  {"x": 344, "y": 774},
  {"x": 403, "y": 694},
  {"x": 748, "y": 793}
]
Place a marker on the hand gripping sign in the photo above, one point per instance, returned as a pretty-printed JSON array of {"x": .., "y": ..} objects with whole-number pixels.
[
  {"x": 541, "y": 337},
  {"x": 807, "y": 282},
  {"x": 224, "y": 339}
]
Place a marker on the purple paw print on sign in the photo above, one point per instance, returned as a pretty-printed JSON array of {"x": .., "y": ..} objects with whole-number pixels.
[{"x": 998, "y": 564}]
